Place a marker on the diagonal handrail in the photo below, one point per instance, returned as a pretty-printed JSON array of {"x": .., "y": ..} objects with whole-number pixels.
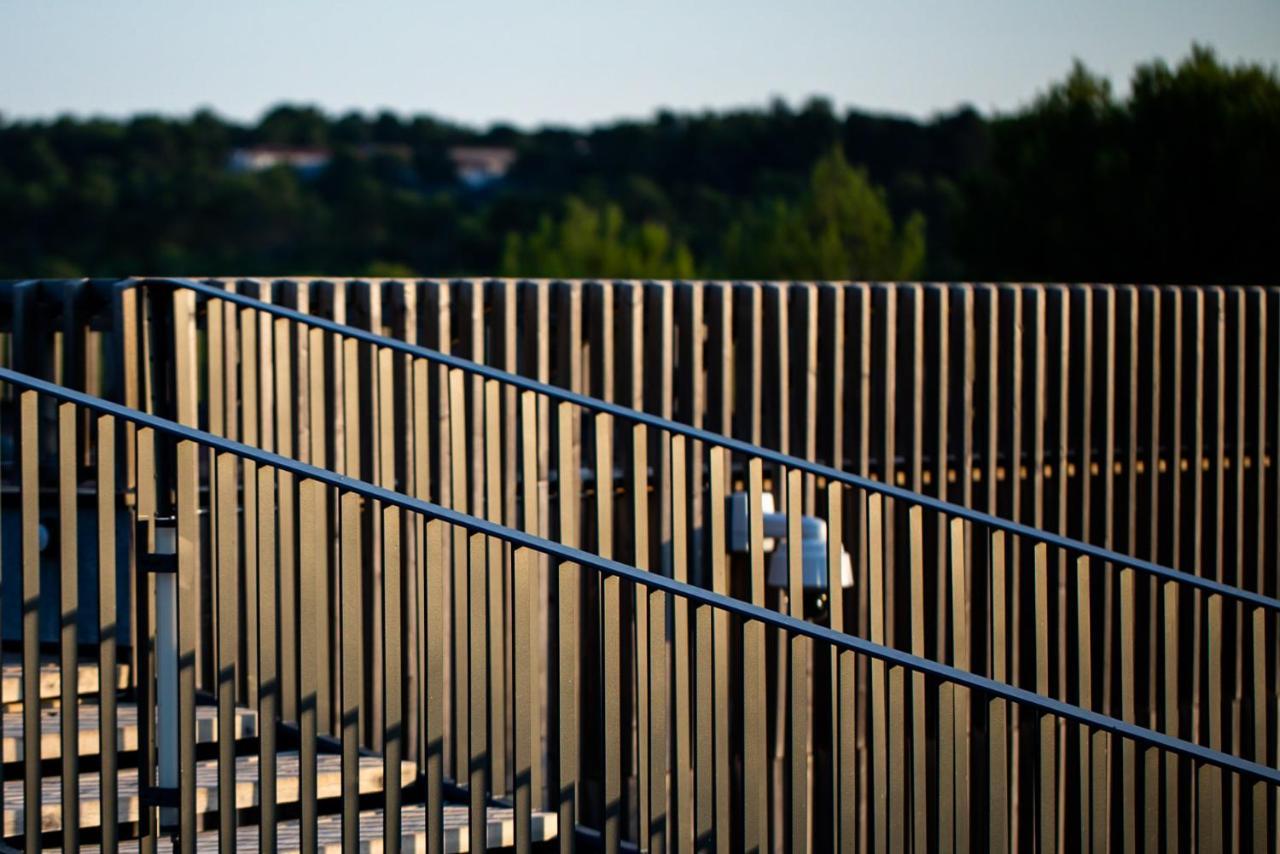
[
  {"x": 697, "y": 595},
  {"x": 1019, "y": 529}
]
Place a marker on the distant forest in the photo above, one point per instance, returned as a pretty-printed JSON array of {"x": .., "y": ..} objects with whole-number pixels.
[{"x": 1177, "y": 181}]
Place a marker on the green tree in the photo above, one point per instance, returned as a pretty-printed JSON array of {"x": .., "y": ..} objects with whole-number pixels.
[
  {"x": 595, "y": 242},
  {"x": 1174, "y": 183},
  {"x": 841, "y": 228}
]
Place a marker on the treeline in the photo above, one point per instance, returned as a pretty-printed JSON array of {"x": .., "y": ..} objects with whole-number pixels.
[{"x": 1174, "y": 182}]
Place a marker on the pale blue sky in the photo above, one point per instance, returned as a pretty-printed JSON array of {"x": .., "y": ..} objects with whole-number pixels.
[{"x": 581, "y": 62}]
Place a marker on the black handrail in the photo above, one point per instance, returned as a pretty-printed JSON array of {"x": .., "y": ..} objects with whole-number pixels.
[
  {"x": 1107, "y": 556},
  {"x": 695, "y": 594}
]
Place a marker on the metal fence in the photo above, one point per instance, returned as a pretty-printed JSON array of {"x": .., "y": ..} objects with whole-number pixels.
[
  {"x": 1187, "y": 655},
  {"x": 933, "y": 787},
  {"x": 1139, "y": 418}
]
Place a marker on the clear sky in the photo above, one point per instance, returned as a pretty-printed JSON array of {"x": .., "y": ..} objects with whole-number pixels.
[{"x": 579, "y": 62}]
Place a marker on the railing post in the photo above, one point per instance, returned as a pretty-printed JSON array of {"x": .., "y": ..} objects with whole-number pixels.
[{"x": 162, "y": 561}]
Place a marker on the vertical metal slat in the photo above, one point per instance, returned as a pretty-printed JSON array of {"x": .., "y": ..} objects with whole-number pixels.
[
  {"x": 69, "y": 565},
  {"x": 352, "y": 659},
  {"x": 108, "y": 762}
]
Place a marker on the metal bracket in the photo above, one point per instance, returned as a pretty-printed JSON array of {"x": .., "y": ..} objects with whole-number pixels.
[
  {"x": 159, "y": 796},
  {"x": 164, "y": 560}
]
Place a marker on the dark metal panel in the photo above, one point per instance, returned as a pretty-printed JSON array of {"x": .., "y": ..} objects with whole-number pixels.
[
  {"x": 804, "y": 344},
  {"x": 691, "y": 398},
  {"x": 776, "y": 375},
  {"x": 722, "y": 356},
  {"x": 884, "y": 430},
  {"x": 831, "y": 374},
  {"x": 469, "y": 296},
  {"x": 749, "y": 356}
]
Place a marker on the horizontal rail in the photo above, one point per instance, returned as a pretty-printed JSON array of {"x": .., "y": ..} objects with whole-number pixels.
[
  {"x": 697, "y": 595},
  {"x": 1019, "y": 529}
]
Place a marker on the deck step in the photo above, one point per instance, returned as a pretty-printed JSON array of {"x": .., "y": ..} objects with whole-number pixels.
[
  {"x": 11, "y": 749},
  {"x": 328, "y": 785},
  {"x": 502, "y": 833},
  {"x": 51, "y": 679}
]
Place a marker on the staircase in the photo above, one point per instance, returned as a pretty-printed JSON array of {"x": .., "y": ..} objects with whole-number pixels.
[{"x": 372, "y": 782}]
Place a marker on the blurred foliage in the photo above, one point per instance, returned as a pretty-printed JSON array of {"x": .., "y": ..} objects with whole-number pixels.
[
  {"x": 839, "y": 228},
  {"x": 1174, "y": 182},
  {"x": 599, "y": 241}
]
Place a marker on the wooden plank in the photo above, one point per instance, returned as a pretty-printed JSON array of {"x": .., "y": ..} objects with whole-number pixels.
[
  {"x": 611, "y": 617},
  {"x": 69, "y": 596},
  {"x": 523, "y": 745},
  {"x": 352, "y": 664},
  {"x": 998, "y": 837},
  {"x": 29, "y": 485},
  {"x": 498, "y": 593},
  {"x": 754, "y": 681},
  {"x": 721, "y": 646},
  {"x": 960, "y": 656},
  {"x": 569, "y": 590},
  {"x": 437, "y": 567},
  {"x": 1046, "y": 820},
  {"x": 879, "y": 790},
  {"x": 478, "y": 696},
  {"x": 682, "y": 796},
  {"x": 799, "y": 713},
  {"x": 107, "y": 628},
  {"x": 919, "y": 700}
]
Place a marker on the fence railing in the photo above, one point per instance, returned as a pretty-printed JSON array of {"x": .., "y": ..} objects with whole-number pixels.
[
  {"x": 1132, "y": 417},
  {"x": 384, "y": 385},
  {"x": 932, "y": 785},
  {"x": 955, "y": 584}
]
